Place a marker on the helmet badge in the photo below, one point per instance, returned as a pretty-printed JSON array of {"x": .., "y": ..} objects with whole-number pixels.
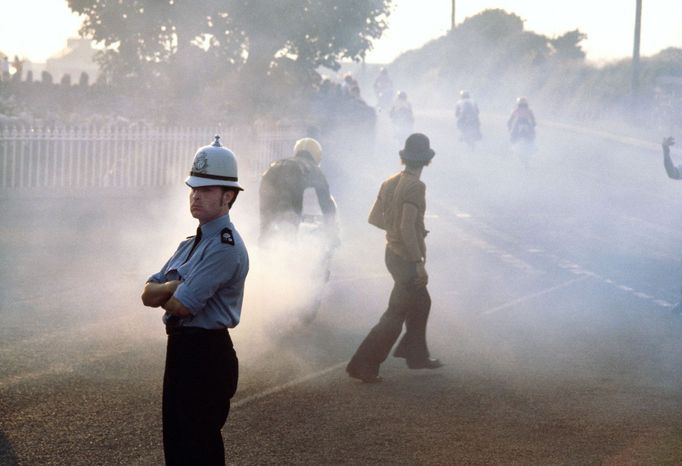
[{"x": 200, "y": 163}]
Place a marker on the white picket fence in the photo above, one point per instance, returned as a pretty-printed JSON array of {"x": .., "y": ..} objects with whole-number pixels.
[{"x": 89, "y": 157}]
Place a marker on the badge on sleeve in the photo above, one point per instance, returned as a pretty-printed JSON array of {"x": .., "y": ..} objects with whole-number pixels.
[{"x": 226, "y": 236}]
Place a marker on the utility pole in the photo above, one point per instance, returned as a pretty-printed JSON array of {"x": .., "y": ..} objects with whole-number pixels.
[
  {"x": 635, "y": 54},
  {"x": 452, "y": 24}
]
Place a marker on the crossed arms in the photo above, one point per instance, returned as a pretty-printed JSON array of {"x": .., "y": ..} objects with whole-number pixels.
[{"x": 161, "y": 294}]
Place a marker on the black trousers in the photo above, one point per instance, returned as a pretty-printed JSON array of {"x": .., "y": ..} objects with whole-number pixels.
[
  {"x": 200, "y": 379},
  {"x": 408, "y": 304}
]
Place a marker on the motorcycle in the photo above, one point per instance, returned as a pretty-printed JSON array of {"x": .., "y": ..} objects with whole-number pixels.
[
  {"x": 470, "y": 133},
  {"x": 522, "y": 137},
  {"x": 298, "y": 252},
  {"x": 385, "y": 99},
  {"x": 316, "y": 247},
  {"x": 403, "y": 122}
]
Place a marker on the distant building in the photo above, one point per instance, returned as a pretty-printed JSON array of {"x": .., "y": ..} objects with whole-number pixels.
[
  {"x": 78, "y": 56},
  {"x": 4, "y": 67}
]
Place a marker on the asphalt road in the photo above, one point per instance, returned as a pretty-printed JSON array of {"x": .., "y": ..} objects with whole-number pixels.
[{"x": 551, "y": 283}]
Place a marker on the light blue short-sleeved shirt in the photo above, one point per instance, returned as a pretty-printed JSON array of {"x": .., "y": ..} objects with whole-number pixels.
[{"x": 212, "y": 279}]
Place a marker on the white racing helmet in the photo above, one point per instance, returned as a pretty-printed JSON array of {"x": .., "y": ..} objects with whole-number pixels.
[
  {"x": 311, "y": 146},
  {"x": 214, "y": 165}
]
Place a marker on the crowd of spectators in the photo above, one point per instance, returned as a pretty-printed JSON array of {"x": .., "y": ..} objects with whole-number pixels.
[
  {"x": 340, "y": 103},
  {"x": 26, "y": 101}
]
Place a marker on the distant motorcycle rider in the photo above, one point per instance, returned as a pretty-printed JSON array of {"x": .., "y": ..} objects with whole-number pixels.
[
  {"x": 282, "y": 188},
  {"x": 466, "y": 113},
  {"x": 521, "y": 123},
  {"x": 402, "y": 116},
  {"x": 383, "y": 89}
]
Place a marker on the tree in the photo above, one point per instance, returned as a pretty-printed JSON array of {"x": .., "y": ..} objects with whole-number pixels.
[
  {"x": 492, "y": 26},
  {"x": 150, "y": 38},
  {"x": 567, "y": 46},
  {"x": 480, "y": 50}
]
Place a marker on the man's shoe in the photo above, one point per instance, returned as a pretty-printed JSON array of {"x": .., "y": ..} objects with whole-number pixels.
[
  {"x": 400, "y": 353},
  {"x": 366, "y": 378},
  {"x": 428, "y": 363}
]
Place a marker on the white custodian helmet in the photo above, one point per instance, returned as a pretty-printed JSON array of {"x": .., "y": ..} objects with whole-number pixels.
[
  {"x": 311, "y": 146},
  {"x": 214, "y": 165}
]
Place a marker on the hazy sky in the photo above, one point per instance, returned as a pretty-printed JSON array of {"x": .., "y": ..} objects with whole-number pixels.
[{"x": 38, "y": 29}]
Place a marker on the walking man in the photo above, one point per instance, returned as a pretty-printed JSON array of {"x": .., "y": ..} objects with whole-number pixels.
[
  {"x": 399, "y": 210},
  {"x": 201, "y": 288}
]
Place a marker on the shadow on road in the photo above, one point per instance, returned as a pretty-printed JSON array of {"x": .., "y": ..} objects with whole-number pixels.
[{"x": 7, "y": 456}]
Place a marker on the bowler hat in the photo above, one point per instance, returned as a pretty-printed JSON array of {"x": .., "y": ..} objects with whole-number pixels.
[{"x": 417, "y": 148}]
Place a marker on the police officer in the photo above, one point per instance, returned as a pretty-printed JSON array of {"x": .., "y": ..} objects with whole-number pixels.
[
  {"x": 201, "y": 288},
  {"x": 399, "y": 210},
  {"x": 283, "y": 185}
]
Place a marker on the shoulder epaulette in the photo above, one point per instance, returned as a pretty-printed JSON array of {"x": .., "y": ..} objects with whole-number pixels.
[{"x": 226, "y": 236}]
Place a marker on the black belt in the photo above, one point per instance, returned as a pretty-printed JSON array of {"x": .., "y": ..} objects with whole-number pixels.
[{"x": 170, "y": 330}]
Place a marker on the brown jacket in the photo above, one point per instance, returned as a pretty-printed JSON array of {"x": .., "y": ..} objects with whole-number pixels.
[{"x": 401, "y": 188}]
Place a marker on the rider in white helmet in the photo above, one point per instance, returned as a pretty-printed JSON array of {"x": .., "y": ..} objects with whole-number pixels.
[
  {"x": 283, "y": 185},
  {"x": 521, "y": 122},
  {"x": 402, "y": 115},
  {"x": 402, "y": 108},
  {"x": 466, "y": 114},
  {"x": 383, "y": 89}
]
